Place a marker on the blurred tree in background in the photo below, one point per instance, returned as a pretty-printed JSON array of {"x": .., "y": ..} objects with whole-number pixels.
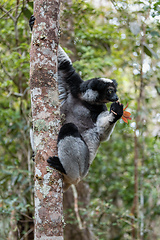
[{"x": 114, "y": 39}]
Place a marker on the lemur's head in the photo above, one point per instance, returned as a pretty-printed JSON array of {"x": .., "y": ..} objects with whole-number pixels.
[{"x": 99, "y": 90}]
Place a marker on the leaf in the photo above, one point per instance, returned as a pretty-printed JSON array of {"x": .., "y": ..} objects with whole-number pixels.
[
  {"x": 126, "y": 114},
  {"x": 155, "y": 33},
  {"x": 149, "y": 51},
  {"x": 27, "y": 13},
  {"x": 30, "y": 4},
  {"x": 125, "y": 107},
  {"x": 124, "y": 119}
]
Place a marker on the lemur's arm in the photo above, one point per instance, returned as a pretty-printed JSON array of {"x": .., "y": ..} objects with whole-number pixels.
[
  {"x": 68, "y": 79},
  {"x": 106, "y": 121}
]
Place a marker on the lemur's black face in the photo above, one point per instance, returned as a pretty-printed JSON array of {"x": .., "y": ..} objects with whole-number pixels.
[
  {"x": 108, "y": 92},
  {"x": 111, "y": 94},
  {"x": 98, "y": 91}
]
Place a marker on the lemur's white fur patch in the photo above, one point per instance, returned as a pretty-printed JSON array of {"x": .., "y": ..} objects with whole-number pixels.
[
  {"x": 62, "y": 55},
  {"x": 89, "y": 95},
  {"x": 107, "y": 80}
]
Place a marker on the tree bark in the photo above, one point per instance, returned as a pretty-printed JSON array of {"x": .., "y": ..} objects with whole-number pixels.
[{"x": 46, "y": 120}]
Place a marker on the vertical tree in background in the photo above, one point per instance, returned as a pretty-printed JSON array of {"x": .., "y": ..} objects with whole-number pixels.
[{"x": 46, "y": 119}]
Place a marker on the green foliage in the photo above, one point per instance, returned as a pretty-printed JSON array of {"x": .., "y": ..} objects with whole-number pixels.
[{"x": 15, "y": 174}]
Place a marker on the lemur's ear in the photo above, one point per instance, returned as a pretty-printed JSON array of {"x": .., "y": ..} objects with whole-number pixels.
[
  {"x": 115, "y": 83},
  {"x": 96, "y": 84}
]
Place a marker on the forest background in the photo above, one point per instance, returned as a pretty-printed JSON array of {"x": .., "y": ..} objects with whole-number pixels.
[{"x": 114, "y": 39}]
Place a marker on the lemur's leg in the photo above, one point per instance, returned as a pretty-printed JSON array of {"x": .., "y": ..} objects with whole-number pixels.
[
  {"x": 73, "y": 154},
  {"x": 106, "y": 121}
]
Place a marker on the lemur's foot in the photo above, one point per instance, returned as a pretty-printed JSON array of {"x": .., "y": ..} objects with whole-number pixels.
[
  {"x": 31, "y": 22},
  {"x": 55, "y": 163}
]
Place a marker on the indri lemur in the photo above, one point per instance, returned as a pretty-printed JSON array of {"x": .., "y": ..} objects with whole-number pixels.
[{"x": 87, "y": 120}]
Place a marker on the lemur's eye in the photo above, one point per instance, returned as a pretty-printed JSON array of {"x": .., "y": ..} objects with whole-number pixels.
[{"x": 110, "y": 91}]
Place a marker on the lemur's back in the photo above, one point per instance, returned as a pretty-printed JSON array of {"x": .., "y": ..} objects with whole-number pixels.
[{"x": 75, "y": 112}]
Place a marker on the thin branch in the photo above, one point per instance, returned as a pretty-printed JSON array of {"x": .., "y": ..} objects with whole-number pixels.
[
  {"x": 11, "y": 78},
  {"x": 27, "y": 233},
  {"x": 8, "y": 13},
  {"x": 18, "y": 14},
  {"x": 25, "y": 215},
  {"x": 75, "y": 195},
  {"x": 18, "y": 94}
]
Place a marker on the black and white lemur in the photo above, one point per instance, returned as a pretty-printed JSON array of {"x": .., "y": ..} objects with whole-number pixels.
[{"x": 87, "y": 120}]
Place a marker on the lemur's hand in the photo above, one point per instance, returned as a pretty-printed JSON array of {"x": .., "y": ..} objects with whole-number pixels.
[
  {"x": 31, "y": 22},
  {"x": 117, "y": 110}
]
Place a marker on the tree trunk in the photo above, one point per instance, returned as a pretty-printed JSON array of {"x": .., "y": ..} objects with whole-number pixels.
[{"x": 46, "y": 120}]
